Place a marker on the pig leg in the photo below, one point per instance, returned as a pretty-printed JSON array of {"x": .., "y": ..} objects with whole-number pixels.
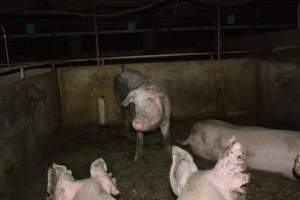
[
  {"x": 165, "y": 131},
  {"x": 139, "y": 145},
  {"x": 126, "y": 133}
]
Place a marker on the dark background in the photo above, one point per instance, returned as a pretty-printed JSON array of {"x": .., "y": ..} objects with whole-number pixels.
[{"x": 62, "y": 29}]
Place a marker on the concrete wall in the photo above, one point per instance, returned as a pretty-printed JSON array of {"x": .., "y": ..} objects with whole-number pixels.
[
  {"x": 29, "y": 112},
  {"x": 280, "y": 94},
  {"x": 197, "y": 89}
]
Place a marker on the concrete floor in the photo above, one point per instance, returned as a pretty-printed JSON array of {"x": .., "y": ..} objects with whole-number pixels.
[{"x": 146, "y": 180}]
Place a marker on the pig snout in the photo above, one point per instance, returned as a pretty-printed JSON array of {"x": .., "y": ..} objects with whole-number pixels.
[{"x": 139, "y": 124}]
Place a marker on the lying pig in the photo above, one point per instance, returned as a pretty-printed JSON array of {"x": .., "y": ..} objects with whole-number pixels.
[
  {"x": 223, "y": 182},
  {"x": 267, "y": 149},
  {"x": 100, "y": 186},
  {"x": 144, "y": 104}
]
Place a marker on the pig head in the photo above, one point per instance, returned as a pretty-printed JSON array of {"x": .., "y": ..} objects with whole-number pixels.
[
  {"x": 206, "y": 140},
  {"x": 148, "y": 101},
  {"x": 62, "y": 186},
  {"x": 224, "y": 182}
]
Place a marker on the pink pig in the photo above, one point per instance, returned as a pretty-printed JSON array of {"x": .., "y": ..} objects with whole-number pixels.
[
  {"x": 267, "y": 149},
  {"x": 152, "y": 107},
  {"x": 223, "y": 182},
  {"x": 100, "y": 186}
]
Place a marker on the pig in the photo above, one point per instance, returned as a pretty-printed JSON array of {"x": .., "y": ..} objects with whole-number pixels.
[
  {"x": 269, "y": 150},
  {"x": 223, "y": 182},
  {"x": 143, "y": 104},
  {"x": 123, "y": 83},
  {"x": 100, "y": 186}
]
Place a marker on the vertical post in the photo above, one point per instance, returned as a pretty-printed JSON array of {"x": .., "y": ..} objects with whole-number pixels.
[
  {"x": 298, "y": 14},
  {"x": 97, "y": 39},
  {"x": 5, "y": 43},
  {"x": 101, "y": 111},
  {"x": 218, "y": 31},
  {"x": 22, "y": 73}
]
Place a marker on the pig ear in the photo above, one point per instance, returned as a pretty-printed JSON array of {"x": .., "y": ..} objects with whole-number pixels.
[
  {"x": 109, "y": 185},
  {"x": 182, "y": 168},
  {"x": 63, "y": 185},
  {"x": 231, "y": 166},
  {"x": 98, "y": 170},
  {"x": 98, "y": 167},
  {"x": 130, "y": 98},
  {"x": 59, "y": 180}
]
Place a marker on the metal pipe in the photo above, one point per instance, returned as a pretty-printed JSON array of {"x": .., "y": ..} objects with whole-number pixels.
[
  {"x": 218, "y": 31},
  {"x": 49, "y": 62},
  {"x": 97, "y": 40},
  {"x": 5, "y": 43},
  {"x": 149, "y": 30},
  {"x": 103, "y": 59},
  {"x": 156, "y": 56}
]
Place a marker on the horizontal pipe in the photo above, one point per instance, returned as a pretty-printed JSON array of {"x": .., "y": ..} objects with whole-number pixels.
[
  {"x": 17, "y": 66},
  {"x": 147, "y": 30}
]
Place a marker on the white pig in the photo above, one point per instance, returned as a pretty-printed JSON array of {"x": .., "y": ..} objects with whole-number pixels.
[
  {"x": 267, "y": 149},
  {"x": 223, "y": 182},
  {"x": 100, "y": 186},
  {"x": 152, "y": 107},
  {"x": 145, "y": 105}
]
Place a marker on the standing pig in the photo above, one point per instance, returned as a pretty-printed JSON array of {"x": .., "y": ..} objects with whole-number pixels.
[
  {"x": 100, "y": 186},
  {"x": 223, "y": 182},
  {"x": 144, "y": 104},
  {"x": 267, "y": 149}
]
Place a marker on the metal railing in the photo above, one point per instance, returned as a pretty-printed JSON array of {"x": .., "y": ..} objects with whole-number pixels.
[{"x": 53, "y": 64}]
